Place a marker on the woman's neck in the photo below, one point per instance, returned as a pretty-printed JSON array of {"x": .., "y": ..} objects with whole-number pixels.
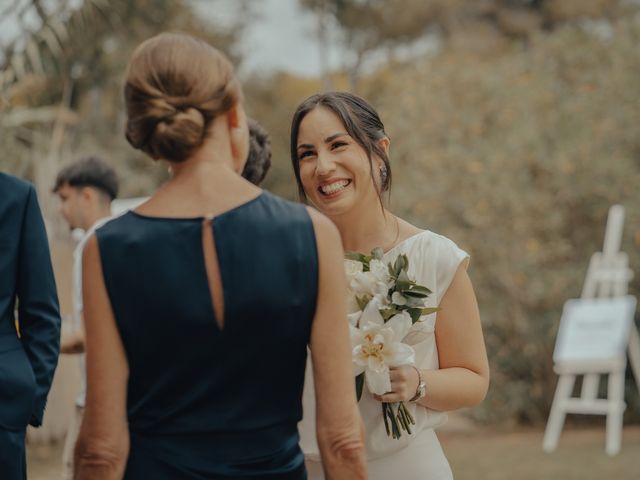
[
  {"x": 367, "y": 229},
  {"x": 206, "y": 183}
]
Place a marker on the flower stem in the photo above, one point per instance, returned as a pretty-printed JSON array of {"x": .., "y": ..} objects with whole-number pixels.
[{"x": 394, "y": 422}]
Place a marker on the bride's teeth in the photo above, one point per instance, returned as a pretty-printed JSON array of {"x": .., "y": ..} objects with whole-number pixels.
[{"x": 334, "y": 187}]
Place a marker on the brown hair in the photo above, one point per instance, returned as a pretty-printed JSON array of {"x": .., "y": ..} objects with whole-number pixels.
[
  {"x": 89, "y": 172},
  {"x": 175, "y": 86},
  {"x": 259, "y": 159},
  {"x": 360, "y": 119}
]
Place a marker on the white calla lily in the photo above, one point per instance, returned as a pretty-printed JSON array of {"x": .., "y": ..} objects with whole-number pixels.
[
  {"x": 352, "y": 303},
  {"x": 351, "y": 268},
  {"x": 377, "y": 346},
  {"x": 353, "y": 318},
  {"x": 366, "y": 284},
  {"x": 380, "y": 272},
  {"x": 363, "y": 283}
]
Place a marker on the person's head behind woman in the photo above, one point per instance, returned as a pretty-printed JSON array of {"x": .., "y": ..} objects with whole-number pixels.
[
  {"x": 176, "y": 85},
  {"x": 363, "y": 125}
]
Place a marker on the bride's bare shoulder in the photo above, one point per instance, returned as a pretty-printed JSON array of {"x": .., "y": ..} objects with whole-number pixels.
[{"x": 406, "y": 229}]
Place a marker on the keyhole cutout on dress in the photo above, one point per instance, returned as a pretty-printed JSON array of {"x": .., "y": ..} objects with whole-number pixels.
[{"x": 212, "y": 268}]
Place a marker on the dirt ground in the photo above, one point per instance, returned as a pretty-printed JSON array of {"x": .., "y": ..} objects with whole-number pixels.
[
  {"x": 482, "y": 454},
  {"x": 490, "y": 455}
]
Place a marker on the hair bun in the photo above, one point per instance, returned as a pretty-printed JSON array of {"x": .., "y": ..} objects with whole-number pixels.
[
  {"x": 176, "y": 85},
  {"x": 177, "y": 134}
]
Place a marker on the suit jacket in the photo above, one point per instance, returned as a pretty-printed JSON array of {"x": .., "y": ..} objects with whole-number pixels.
[{"x": 27, "y": 359}]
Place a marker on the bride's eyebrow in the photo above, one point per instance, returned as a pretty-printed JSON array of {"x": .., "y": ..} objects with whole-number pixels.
[
  {"x": 334, "y": 136},
  {"x": 329, "y": 139}
]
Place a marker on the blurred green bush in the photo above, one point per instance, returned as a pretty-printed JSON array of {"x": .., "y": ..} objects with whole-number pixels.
[{"x": 518, "y": 158}]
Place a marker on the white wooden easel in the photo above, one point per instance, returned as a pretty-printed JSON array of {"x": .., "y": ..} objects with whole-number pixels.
[{"x": 608, "y": 276}]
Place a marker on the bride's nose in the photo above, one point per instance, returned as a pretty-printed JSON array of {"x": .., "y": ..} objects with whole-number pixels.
[{"x": 324, "y": 164}]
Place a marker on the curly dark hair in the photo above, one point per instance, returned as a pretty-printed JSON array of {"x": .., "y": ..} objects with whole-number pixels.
[{"x": 259, "y": 159}]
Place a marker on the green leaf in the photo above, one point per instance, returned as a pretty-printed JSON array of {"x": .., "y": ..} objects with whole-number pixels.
[
  {"x": 420, "y": 288},
  {"x": 403, "y": 277},
  {"x": 402, "y": 285},
  {"x": 415, "y": 314},
  {"x": 377, "y": 253},
  {"x": 362, "y": 301},
  {"x": 392, "y": 272},
  {"x": 414, "y": 294},
  {"x": 387, "y": 313},
  {"x": 355, "y": 256},
  {"x": 359, "y": 386},
  {"x": 398, "y": 265},
  {"x": 429, "y": 310}
]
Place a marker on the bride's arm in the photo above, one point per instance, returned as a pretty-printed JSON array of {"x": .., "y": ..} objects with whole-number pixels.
[
  {"x": 339, "y": 427},
  {"x": 462, "y": 379},
  {"x": 103, "y": 442}
]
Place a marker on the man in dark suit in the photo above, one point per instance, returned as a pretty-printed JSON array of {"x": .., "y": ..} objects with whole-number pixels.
[{"x": 29, "y": 346}]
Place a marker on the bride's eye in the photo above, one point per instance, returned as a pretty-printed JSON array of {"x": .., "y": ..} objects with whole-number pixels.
[
  {"x": 305, "y": 154},
  {"x": 338, "y": 144}
]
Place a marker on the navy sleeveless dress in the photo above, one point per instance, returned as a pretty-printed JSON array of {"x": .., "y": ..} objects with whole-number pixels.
[{"x": 205, "y": 402}]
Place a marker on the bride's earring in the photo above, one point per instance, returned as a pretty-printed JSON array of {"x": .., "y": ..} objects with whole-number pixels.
[{"x": 383, "y": 176}]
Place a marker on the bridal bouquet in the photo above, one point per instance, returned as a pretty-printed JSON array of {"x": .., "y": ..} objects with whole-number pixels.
[{"x": 384, "y": 302}]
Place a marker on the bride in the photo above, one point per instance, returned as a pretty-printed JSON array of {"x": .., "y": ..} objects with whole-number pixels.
[{"x": 339, "y": 151}]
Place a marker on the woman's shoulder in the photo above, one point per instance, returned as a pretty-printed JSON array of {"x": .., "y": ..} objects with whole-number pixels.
[
  {"x": 273, "y": 211},
  {"x": 123, "y": 229},
  {"x": 117, "y": 223},
  {"x": 280, "y": 202}
]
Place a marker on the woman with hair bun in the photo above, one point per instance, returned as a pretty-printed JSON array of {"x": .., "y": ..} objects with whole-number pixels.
[
  {"x": 199, "y": 304},
  {"x": 340, "y": 155}
]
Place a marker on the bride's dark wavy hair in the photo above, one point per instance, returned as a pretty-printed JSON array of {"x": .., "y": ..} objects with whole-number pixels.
[{"x": 362, "y": 123}]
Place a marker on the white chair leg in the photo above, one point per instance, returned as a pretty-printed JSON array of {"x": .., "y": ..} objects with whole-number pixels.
[
  {"x": 564, "y": 389},
  {"x": 616, "y": 410}
]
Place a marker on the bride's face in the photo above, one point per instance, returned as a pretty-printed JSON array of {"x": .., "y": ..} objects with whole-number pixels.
[{"x": 334, "y": 169}]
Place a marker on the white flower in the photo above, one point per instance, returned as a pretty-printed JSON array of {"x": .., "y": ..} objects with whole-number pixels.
[
  {"x": 380, "y": 271},
  {"x": 363, "y": 283},
  {"x": 366, "y": 284},
  {"x": 378, "y": 345},
  {"x": 351, "y": 268},
  {"x": 398, "y": 299},
  {"x": 352, "y": 303},
  {"x": 354, "y": 317},
  {"x": 381, "y": 298}
]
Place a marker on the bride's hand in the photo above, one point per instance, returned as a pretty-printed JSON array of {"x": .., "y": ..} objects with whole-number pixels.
[{"x": 404, "y": 383}]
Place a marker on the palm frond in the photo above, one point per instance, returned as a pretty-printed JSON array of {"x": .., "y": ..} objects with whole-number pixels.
[
  {"x": 33, "y": 55},
  {"x": 44, "y": 48}
]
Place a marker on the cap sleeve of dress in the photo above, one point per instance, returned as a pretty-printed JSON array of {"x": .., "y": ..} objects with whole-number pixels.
[{"x": 449, "y": 257}]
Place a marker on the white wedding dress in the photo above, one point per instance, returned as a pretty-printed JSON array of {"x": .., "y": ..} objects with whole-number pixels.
[{"x": 433, "y": 262}]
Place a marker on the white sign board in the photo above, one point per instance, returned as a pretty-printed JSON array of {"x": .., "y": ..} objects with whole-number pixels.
[{"x": 594, "y": 329}]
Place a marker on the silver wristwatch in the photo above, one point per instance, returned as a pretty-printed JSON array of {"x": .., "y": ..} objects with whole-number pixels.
[{"x": 421, "y": 391}]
